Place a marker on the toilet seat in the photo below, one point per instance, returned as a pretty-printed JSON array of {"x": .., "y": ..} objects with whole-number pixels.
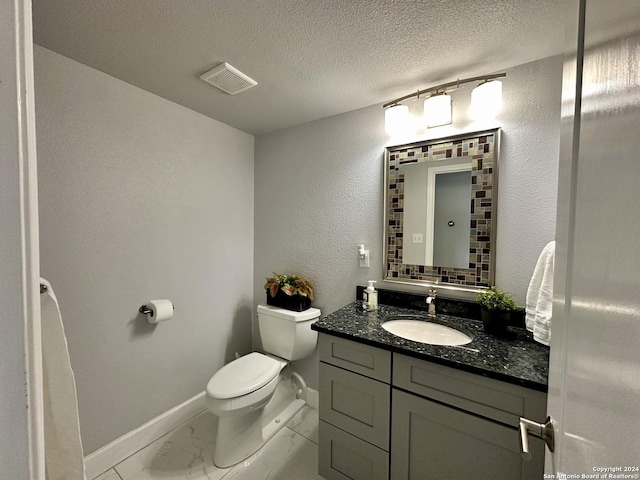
[{"x": 243, "y": 376}]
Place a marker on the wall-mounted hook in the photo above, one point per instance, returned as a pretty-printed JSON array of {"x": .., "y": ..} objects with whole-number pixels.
[{"x": 364, "y": 256}]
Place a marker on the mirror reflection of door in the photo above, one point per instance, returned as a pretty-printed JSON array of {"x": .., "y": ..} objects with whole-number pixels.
[
  {"x": 451, "y": 219},
  {"x": 428, "y": 238},
  {"x": 453, "y": 241}
]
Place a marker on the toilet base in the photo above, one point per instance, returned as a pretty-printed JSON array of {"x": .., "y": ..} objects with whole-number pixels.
[{"x": 239, "y": 437}]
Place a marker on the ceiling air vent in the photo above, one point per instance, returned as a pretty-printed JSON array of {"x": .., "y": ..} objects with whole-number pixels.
[{"x": 228, "y": 79}]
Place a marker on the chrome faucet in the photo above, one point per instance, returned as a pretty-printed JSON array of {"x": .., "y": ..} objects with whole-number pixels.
[{"x": 431, "y": 301}]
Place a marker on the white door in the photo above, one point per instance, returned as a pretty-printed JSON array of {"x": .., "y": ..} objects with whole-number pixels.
[
  {"x": 594, "y": 383},
  {"x": 21, "y": 425},
  {"x": 451, "y": 219}
]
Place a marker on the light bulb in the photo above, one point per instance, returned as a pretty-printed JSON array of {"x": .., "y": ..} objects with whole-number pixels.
[
  {"x": 396, "y": 119},
  {"x": 437, "y": 110},
  {"x": 486, "y": 100}
]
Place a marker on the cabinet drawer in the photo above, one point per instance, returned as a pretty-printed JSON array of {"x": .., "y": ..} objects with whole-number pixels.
[
  {"x": 357, "y": 357},
  {"x": 345, "y": 457},
  {"x": 356, "y": 404},
  {"x": 487, "y": 397}
]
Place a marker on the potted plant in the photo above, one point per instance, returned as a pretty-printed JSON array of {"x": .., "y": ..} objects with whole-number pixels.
[
  {"x": 496, "y": 307},
  {"x": 289, "y": 291}
]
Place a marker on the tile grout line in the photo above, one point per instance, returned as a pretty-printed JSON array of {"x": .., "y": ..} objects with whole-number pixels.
[
  {"x": 107, "y": 471},
  {"x": 301, "y": 434}
]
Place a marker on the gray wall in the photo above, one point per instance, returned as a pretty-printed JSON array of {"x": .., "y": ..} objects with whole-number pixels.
[
  {"x": 141, "y": 198},
  {"x": 318, "y": 190}
]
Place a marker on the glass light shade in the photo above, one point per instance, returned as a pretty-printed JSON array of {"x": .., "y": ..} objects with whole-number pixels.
[
  {"x": 396, "y": 119},
  {"x": 437, "y": 110},
  {"x": 486, "y": 100}
]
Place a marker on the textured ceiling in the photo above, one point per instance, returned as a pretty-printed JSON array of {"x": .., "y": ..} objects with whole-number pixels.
[{"x": 311, "y": 58}]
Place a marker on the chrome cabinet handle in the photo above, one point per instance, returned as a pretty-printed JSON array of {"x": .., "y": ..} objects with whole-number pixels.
[{"x": 540, "y": 430}]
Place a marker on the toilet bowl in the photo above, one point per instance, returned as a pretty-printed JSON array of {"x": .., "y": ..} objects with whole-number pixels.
[
  {"x": 239, "y": 392},
  {"x": 243, "y": 385}
]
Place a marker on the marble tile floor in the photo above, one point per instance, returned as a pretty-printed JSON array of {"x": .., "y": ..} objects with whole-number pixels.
[{"x": 187, "y": 452}]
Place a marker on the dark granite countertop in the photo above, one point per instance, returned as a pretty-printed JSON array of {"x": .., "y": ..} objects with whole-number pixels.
[{"x": 517, "y": 359}]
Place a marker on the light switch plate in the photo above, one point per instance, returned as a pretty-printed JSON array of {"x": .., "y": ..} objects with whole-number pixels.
[{"x": 417, "y": 238}]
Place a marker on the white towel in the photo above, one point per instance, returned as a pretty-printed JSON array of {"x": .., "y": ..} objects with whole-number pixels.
[
  {"x": 62, "y": 444},
  {"x": 540, "y": 296}
]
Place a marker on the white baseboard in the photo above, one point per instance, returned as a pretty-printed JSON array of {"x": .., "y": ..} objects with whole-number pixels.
[
  {"x": 313, "y": 398},
  {"x": 104, "y": 458}
]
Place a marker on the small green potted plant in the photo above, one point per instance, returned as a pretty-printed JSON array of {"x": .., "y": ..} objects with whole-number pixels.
[
  {"x": 496, "y": 307},
  {"x": 289, "y": 291}
]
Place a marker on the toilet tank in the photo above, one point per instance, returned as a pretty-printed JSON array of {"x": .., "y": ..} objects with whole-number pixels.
[{"x": 287, "y": 334}]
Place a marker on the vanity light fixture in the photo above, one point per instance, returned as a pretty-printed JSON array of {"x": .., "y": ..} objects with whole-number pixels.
[
  {"x": 437, "y": 110},
  {"x": 486, "y": 101}
]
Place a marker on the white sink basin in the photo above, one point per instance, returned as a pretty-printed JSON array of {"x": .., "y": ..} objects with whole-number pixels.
[{"x": 424, "y": 331}]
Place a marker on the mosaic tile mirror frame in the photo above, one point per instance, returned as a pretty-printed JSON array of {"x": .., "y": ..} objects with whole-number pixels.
[{"x": 479, "y": 150}]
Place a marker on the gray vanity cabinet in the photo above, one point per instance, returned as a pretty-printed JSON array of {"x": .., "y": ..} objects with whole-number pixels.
[{"x": 385, "y": 415}]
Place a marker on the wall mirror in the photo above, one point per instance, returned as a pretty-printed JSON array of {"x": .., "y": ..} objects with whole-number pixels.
[{"x": 440, "y": 211}]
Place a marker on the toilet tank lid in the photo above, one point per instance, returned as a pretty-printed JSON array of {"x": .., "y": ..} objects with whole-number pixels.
[
  {"x": 243, "y": 376},
  {"x": 308, "y": 314}
]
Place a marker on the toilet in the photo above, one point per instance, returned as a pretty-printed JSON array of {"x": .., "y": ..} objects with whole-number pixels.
[{"x": 239, "y": 393}]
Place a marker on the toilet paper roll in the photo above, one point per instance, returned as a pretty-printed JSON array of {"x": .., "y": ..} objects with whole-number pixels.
[{"x": 161, "y": 310}]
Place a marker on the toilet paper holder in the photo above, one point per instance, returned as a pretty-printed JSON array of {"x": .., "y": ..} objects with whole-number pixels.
[{"x": 146, "y": 310}]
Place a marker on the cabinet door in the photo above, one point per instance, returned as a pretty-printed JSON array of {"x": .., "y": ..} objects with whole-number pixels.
[
  {"x": 356, "y": 404},
  {"x": 430, "y": 441}
]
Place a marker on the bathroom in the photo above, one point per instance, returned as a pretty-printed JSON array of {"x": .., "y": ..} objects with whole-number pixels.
[{"x": 142, "y": 198}]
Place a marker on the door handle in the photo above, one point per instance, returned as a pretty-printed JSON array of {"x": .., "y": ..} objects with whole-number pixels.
[{"x": 540, "y": 430}]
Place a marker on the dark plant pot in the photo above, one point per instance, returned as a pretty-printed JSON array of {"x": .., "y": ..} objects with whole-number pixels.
[
  {"x": 495, "y": 321},
  {"x": 297, "y": 303}
]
